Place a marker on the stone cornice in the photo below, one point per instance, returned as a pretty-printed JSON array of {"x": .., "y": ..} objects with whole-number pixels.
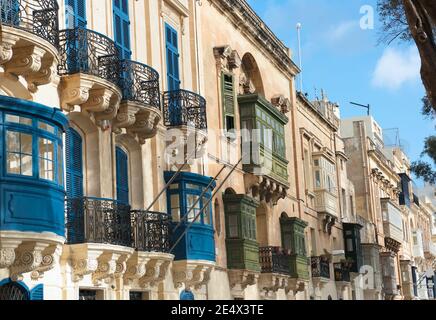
[{"x": 243, "y": 15}]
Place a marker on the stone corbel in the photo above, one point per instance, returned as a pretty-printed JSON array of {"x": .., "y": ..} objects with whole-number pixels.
[
  {"x": 191, "y": 275},
  {"x": 25, "y": 61},
  {"x": 282, "y": 103},
  {"x": 145, "y": 125},
  {"x": 125, "y": 117},
  {"x": 85, "y": 264},
  {"x": 74, "y": 91},
  {"x": 7, "y": 42},
  {"x": 98, "y": 101},
  {"x": 328, "y": 223},
  {"x": 242, "y": 278},
  {"x": 47, "y": 74},
  {"x": 107, "y": 265},
  {"x": 295, "y": 286},
  {"x": 136, "y": 267},
  {"x": 155, "y": 272},
  {"x": 28, "y": 258},
  {"x": 7, "y": 252},
  {"x": 50, "y": 256},
  {"x": 272, "y": 282}
]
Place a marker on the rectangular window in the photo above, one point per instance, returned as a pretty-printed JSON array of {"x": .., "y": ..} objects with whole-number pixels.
[
  {"x": 18, "y": 119},
  {"x": 46, "y": 127},
  {"x": 46, "y": 159},
  {"x": 206, "y": 211},
  {"x": 194, "y": 209},
  {"x": 19, "y": 153},
  {"x": 233, "y": 226},
  {"x": 228, "y": 97},
  {"x": 317, "y": 179}
]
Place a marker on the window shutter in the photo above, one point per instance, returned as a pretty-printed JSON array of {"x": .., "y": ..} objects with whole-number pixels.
[
  {"x": 37, "y": 293},
  {"x": 172, "y": 58},
  {"x": 76, "y": 10},
  {"x": 228, "y": 94},
  {"x": 74, "y": 170},
  {"x": 122, "y": 176},
  {"x": 122, "y": 27}
]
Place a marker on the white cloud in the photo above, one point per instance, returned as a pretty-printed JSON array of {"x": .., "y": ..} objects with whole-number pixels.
[
  {"x": 339, "y": 31},
  {"x": 395, "y": 68}
]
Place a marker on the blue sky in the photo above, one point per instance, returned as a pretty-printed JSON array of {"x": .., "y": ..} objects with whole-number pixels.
[{"x": 349, "y": 64}]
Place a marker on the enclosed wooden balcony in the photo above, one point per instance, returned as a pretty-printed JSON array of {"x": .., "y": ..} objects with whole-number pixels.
[
  {"x": 29, "y": 40},
  {"x": 90, "y": 77}
]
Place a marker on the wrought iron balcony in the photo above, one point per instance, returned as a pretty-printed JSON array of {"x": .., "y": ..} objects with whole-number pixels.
[
  {"x": 274, "y": 260},
  {"x": 150, "y": 231},
  {"x": 139, "y": 83},
  {"x": 85, "y": 51},
  {"x": 320, "y": 267},
  {"x": 39, "y": 17},
  {"x": 96, "y": 220},
  {"x": 184, "y": 108},
  {"x": 342, "y": 272}
]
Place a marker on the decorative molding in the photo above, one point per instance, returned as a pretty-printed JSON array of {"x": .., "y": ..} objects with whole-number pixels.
[
  {"x": 226, "y": 58},
  {"x": 281, "y": 103},
  {"x": 25, "y": 60},
  {"x": 191, "y": 273},
  {"x": 241, "y": 279}
]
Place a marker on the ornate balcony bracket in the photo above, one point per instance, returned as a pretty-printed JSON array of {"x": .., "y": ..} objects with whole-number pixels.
[
  {"x": 191, "y": 273},
  {"x": 28, "y": 258},
  {"x": 93, "y": 94},
  {"x": 144, "y": 123},
  {"x": 107, "y": 267},
  {"x": 84, "y": 262},
  {"x": 328, "y": 222},
  {"x": 295, "y": 286},
  {"x": 148, "y": 268},
  {"x": 241, "y": 279},
  {"x": 281, "y": 103},
  {"x": 264, "y": 188},
  {"x": 226, "y": 58},
  {"x": 126, "y": 116},
  {"x": 25, "y": 60},
  {"x": 50, "y": 257},
  {"x": 7, "y": 251},
  {"x": 48, "y": 73},
  {"x": 155, "y": 272},
  {"x": 272, "y": 282},
  {"x": 8, "y": 41}
]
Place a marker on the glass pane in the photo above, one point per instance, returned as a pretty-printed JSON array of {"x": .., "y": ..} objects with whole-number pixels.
[
  {"x": 13, "y": 141},
  {"x": 174, "y": 186},
  {"x": 175, "y": 207},
  {"x": 60, "y": 166},
  {"x": 191, "y": 199},
  {"x": 46, "y": 149},
  {"x": 233, "y": 226},
  {"x": 26, "y": 165},
  {"x": 207, "y": 211},
  {"x": 193, "y": 186},
  {"x": 26, "y": 143},
  {"x": 46, "y": 169},
  {"x": 17, "y": 119},
  {"x": 13, "y": 163},
  {"x": 46, "y": 127}
]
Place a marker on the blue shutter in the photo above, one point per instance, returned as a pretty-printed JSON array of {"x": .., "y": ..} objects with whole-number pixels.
[
  {"x": 122, "y": 176},
  {"x": 10, "y": 12},
  {"x": 76, "y": 10},
  {"x": 122, "y": 27},
  {"x": 172, "y": 58},
  {"x": 37, "y": 293},
  {"x": 74, "y": 170}
]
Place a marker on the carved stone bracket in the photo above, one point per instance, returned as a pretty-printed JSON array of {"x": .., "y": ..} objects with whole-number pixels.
[
  {"x": 191, "y": 273},
  {"x": 263, "y": 188},
  {"x": 7, "y": 42},
  {"x": 7, "y": 252},
  {"x": 50, "y": 257},
  {"x": 295, "y": 286},
  {"x": 281, "y": 103},
  {"x": 271, "y": 283},
  {"x": 25, "y": 60},
  {"x": 94, "y": 95},
  {"x": 143, "y": 125},
  {"x": 155, "y": 272},
  {"x": 29, "y": 257},
  {"x": 328, "y": 222},
  {"x": 48, "y": 73},
  {"x": 226, "y": 58},
  {"x": 136, "y": 267},
  {"x": 84, "y": 264},
  {"x": 107, "y": 266}
]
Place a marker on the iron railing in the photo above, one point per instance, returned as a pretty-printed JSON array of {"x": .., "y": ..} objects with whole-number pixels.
[
  {"x": 150, "y": 231},
  {"x": 98, "y": 220},
  {"x": 342, "y": 272},
  {"x": 320, "y": 267},
  {"x": 39, "y": 17},
  {"x": 184, "y": 108},
  {"x": 139, "y": 83},
  {"x": 85, "y": 51},
  {"x": 274, "y": 260}
]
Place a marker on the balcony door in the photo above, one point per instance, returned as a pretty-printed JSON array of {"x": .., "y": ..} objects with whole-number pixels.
[
  {"x": 75, "y": 12},
  {"x": 77, "y": 45},
  {"x": 122, "y": 171},
  {"x": 74, "y": 163}
]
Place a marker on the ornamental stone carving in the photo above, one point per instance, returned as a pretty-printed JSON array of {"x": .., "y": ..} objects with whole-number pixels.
[
  {"x": 155, "y": 273},
  {"x": 25, "y": 60},
  {"x": 226, "y": 58},
  {"x": 242, "y": 278},
  {"x": 281, "y": 103},
  {"x": 28, "y": 258},
  {"x": 191, "y": 274},
  {"x": 6, "y": 45},
  {"x": 271, "y": 282},
  {"x": 7, "y": 257},
  {"x": 48, "y": 73},
  {"x": 263, "y": 188}
]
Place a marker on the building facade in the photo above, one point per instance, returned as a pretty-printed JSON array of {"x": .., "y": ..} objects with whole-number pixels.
[{"x": 149, "y": 154}]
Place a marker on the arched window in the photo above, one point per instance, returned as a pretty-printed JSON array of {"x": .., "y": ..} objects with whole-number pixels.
[
  {"x": 122, "y": 171},
  {"x": 74, "y": 162},
  {"x": 13, "y": 291}
]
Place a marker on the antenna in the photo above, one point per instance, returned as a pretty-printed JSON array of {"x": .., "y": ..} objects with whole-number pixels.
[
  {"x": 368, "y": 107},
  {"x": 299, "y": 56}
]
